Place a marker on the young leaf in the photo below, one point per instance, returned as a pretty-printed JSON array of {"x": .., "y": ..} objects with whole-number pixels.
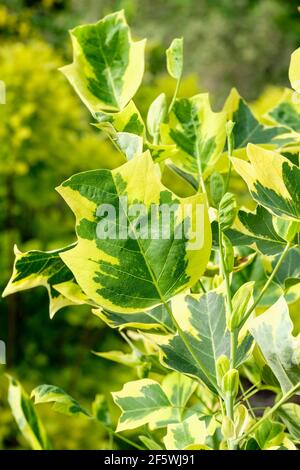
[
  {"x": 45, "y": 268},
  {"x": 156, "y": 115},
  {"x": 146, "y": 401},
  {"x": 129, "y": 359},
  {"x": 175, "y": 58},
  {"x": 62, "y": 402},
  {"x": 269, "y": 434},
  {"x": 216, "y": 188},
  {"x": 190, "y": 431},
  {"x": 272, "y": 332},
  {"x": 26, "y": 416},
  {"x": 240, "y": 303},
  {"x": 227, "y": 211},
  {"x": 273, "y": 181},
  {"x": 107, "y": 66},
  {"x": 133, "y": 272},
  {"x": 198, "y": 132}
]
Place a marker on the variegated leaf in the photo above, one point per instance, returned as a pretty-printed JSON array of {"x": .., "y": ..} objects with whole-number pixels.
[
  {"x": 272, "y": 332},
  {"x": 107, "y": 66},
  {"x": 62, "y": 402},
  {"x": 45, "y": 268},
  {"x": 131, "y": 273},
  {"x": 247, "y": 128},
  {"x": 198, "y": 132},
  {"x": 190, "y": 431},
  {"x": 127, "y": 120},
  {"x": 147, "y": 402},
  {"x": 26, "y": 416},
  {"x": 273, "y": 181},
  {"x": 203, "y": 322}
]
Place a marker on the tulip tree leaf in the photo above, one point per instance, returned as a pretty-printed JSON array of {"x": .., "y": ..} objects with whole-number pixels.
[
  {"x": 45, "y": 268},
  {"x": 147, "y": 402},
  {"x": 175, "y": 58},
  {"x": 247, "y": 128},
  {"x": 62, "y": 402},
  {"x": 272, "y": 332},
  {"x": 198, "y": 132},
  {"x": 107, "y": 66},
  {"x": 129, "y": 274},
  {"x": 203, "y": 321},
  {"x": 157, "y": 317},
  {"x": 26, "y": 416},
  {"x": 273, "y": 181},
  {"x": 190, "y": 431},
  {"x": 259, "y": 227}
]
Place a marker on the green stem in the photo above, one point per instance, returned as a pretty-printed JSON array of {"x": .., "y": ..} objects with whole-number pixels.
[
  {"x": 268, "y": 282},
  {"x": 229, "y": 400},
  {"x": 246, "y": 399},
  {"x": 272, "y": 410}
]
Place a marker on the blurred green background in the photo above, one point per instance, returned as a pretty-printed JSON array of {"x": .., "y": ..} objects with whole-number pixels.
[{"x": 45, "y": 137}]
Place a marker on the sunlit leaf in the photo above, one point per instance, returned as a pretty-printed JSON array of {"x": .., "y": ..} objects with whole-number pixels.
[{"x": 107, "y": 66}]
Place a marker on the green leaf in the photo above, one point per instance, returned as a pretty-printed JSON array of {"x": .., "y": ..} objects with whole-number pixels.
[
  {"x": 62, "y": 402},
  {"x": 272, "y": 332},
  {"x": 133, "y": 271},
  {"x": 146, "y": 401},
  {"x": 273, "y": 181},
  {"x": 126, "y": 359},
  {"x": 227, "y": 211},
  {"x": 190, "y": 431},
  {"x": 289, "y": 413},
  {"x": 198, "y": 132},
  {"x": 45, "y": 268},
  {"x": 269, "y": 434},
  {"x": 156, "y": 115},
  {"x": 175, "y": 58},
  {"x": 259, "y": 228},
  {"x": 203, "y": 321},
  {"x": 289, "y": 272},
  {"x": 157, "y": 317},
  {"x": 101, "y": 411},
  {"x": 26, "y": 416},
  {"x": 247, "y": 128},
  {"x": 107, "y": 67}
]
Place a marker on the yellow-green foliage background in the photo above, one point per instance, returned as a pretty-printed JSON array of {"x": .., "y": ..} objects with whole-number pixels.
[{"x": 45, "y": 137}]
